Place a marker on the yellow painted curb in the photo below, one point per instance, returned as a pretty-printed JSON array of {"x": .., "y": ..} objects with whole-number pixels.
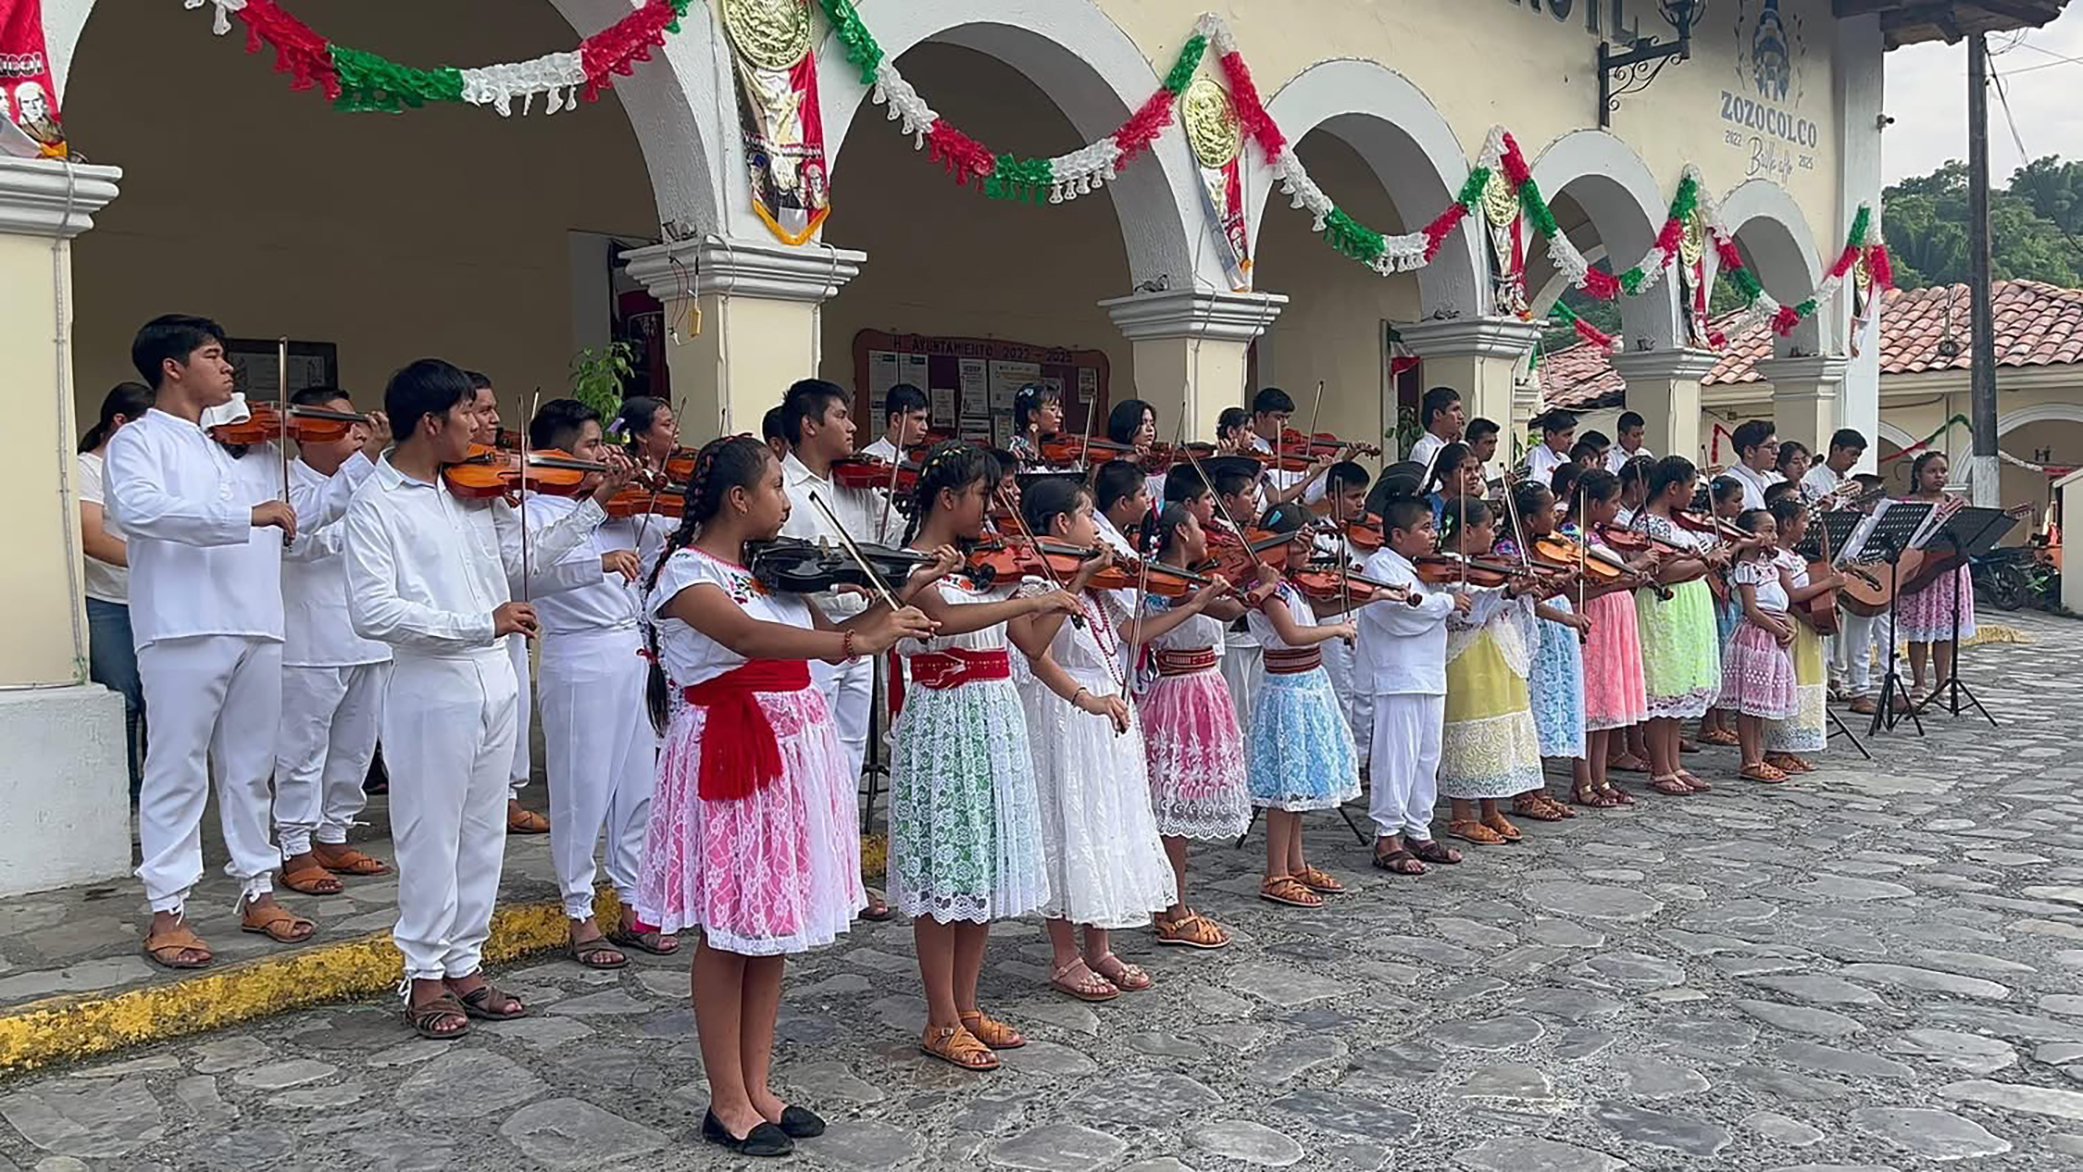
[{"x": 69, "y": 1028}]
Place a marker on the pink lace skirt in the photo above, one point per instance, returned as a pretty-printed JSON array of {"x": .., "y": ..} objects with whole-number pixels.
[
  {"x": 1198, "y": 783},
  {"x": 776, "y": 872},
  {"x": 1757, "y": 676},
  {"x": 1614, "y": 695}
]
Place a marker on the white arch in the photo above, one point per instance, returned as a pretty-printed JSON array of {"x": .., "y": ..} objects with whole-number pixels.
[
  {"x": 2039, "y": 413},
  {"x": 662, "y": 98},
  {"x": 1774, "y": 232},
  {"x": 1625, "y": 203},
  {"x": 1894, "y": 435},
  {"x": 1412, "y": 150},
  {"x": 1088, "y": 66}
]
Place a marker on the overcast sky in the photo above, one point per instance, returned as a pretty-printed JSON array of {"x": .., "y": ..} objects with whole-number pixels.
[{"x": 1927, "y": 94}]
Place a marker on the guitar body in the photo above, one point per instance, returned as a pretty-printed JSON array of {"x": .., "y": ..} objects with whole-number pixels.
[
  {"x": 1872, "y": 596},
  {"x": 1819, "y": 612}
]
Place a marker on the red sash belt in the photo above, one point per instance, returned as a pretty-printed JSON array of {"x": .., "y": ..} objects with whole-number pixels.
[
  {"x": 1185, "y": 663},
  {"x": 940, "y": 670},
  {"x": 739, "y": 752},
  {"x": 1288, "y": 663}
]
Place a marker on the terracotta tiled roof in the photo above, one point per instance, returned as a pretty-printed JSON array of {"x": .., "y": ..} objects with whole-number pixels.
[{"x": 2037, "y": 324}]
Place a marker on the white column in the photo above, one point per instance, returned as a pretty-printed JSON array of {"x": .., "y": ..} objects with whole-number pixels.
[
  {"x": 755, "y": 326},
  {"x": 1480, "y": 357},
  {"x": 1663, "y": 386},
  {"x": 1806, "y": 398},
  {"x": 65, "y": 785},
  {"x": 1190, "y": 349},
  {"x": 1858, "y": 72}
]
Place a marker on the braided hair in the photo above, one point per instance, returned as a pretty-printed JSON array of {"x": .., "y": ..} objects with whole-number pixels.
[
  {"x": 1049, "y": 498},
  {"x": 952, "y": 466},
  {"x": 1669, "y": 471},
  {"x": 1167, "y": 532},
  {"x": 733, "y": 461}
]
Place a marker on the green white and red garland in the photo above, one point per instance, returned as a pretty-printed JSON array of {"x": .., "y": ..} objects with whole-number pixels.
[{"x": 358, "y": 80}]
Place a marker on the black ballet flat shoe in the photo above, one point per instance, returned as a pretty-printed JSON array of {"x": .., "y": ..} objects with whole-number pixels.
[
  {"x": 763, "y": 1140},
  {"x": 801, "y": 1122}
]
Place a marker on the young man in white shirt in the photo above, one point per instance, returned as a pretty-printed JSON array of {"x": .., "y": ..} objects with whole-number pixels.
[
  {"x": 1757, "y": 449},
  {"x": 428, "y": 574},
  {"x": 332, "y": 679},
  {"x": 1826, "y": 475},
  {"x": 1558, "y": 436},
  {"x": 1403, "y": 651},
  {"x": 599, "y": 749},
  {"x": 1271, "y": 411},
  {"x": 1633, "y": 428},
  {"x": 205, "y": 549},
  {"x": 904, "y": 416},
  {"x": 1443, "y": 419},
  {"x": 1482, "y": 439},
  {"x": 484, "y": 407}
]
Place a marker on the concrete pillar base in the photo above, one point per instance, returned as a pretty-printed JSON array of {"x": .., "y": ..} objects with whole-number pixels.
[
  {"x": 1663, "y": 386},
  {"x": 1481, "y": 358},
  {"x": 758, "y": 329},
  {"x": 67, "y": 789},
  {"x": 1190, "y": 351}
]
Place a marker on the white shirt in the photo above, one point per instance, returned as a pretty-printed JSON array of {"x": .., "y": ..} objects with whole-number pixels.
[
  {"x": 104, "y": 582},
  {"x": 605, "y": 602},
  {"x": 1617, "y": 456},
  {"x": 690, "y": 657},
  {"x": 881, "y": 449},
  {"x": 1425, "y": 449},
  {"x": 425, "y": 570},
  {"x": 1280, "y": 479},
  {"x": 860, "y": 510},
  {"x": 1403, "y": 648},
  {"x": 1542, "y": 462},
  {"x": 1754, "y": 484},
  {"x": 316, "y": 629},
  {"x": 197, "y": 564},
  {"x": 1820, "y": 481}
]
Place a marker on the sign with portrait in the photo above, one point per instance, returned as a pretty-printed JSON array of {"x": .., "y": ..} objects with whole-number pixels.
[{"x": 1765, "y": 109}]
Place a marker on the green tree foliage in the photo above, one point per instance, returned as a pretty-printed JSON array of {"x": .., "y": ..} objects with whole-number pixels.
[{"x": 2033, "y": 225}]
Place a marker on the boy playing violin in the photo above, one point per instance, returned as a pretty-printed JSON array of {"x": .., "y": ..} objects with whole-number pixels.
[{"x": 484, "y": 410}]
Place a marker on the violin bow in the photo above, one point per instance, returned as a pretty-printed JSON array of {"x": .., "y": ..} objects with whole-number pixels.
[
  {"x": 1020, "y": 522},
  {"x": 853, "y": 551},
  {"x": 889, "y": 497},
  {"x": 527, "y": 418},
  {"x": 1144, "y": 554},
  {"x": 1583, "y": 543},
  {"x": 1316, "y": 413},
  {"x": 282, "y": 420},
  {"x": 1085, "y": 448}
]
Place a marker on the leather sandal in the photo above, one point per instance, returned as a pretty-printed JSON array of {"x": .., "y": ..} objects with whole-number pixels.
[
  {"x": 1788, "y": 763},
  {"x": 341, "y": 859},
  {"x": 626, "y": 934},
  {"x": 1126, "y": 977},
  {"x": 1693, "y": 782},
  {"x": 424, "y": 1018},
  {"x": 1398, "y": 862},
  {"x": 1190, "y": 930},
  {"x": 277, "y": 923},
  {"x": 1590, "y": 795},
  {"x": 1620, "y": 797},
  {"x": 166, "y": 949},
  {"x": 1538, "y": 807},
  {"x": 310, "y": 877},
  {"x": 1090, "y": 987},
  {"x": 1627, "y": 763},
  {"x": 596, "y": 953},
  {"x": 1318, "y": 881},
  {"x": 1504, "y": 828},
  {"x": 1763, "y": 772},
  {"x": 491, "y": 1003},
  {"x": 1432, "y": 851},
  {"x": 1470, "y": 830},
  {"x": 1288, "y": 890},
  {"x": 525, "y": 821},
  {"x": 956, "y": 1046},
  {"x": 1670, "y": 784},
  {"x": 991, "y": 1032},
  {"x": 1719, "y": 736}
]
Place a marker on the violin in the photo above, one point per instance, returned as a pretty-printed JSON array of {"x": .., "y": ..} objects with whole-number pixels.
[
  {"x": 1328, "y": 583},
  {"x": 1063, "y": 448},
  {"x": 306, "y": 425},
  {"x": 1238, "y": 558},
  {"x": 1601, "y": 565},
  {"x": 679, "y": 464},
  {"x": 1004, "y": 559},
  {"x": 1708, "y": 523},
  {"x": 1161, "y": 457},
  {"x": 488, "y": 472},
  {"x": 665, "y": 499},
  {"x": 1322, "y": 444},
  {"x": 791, "y": 565},
  {"x": 1162, "y": 579},
  {"x": 1442, "y": 569},
  {"x": 865, "y": 471}
]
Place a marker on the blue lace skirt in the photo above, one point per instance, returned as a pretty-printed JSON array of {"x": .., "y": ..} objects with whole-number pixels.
[
  {"x": 1301, "y": 754},
  {"x": 1557, "y": 686}
]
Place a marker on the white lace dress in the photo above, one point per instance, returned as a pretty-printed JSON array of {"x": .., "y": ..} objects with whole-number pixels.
[
  {"x": 1107, "y": 867},
  {"x": 965, "y": 823}
]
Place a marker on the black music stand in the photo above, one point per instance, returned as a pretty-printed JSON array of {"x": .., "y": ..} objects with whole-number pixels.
[
  {"x": 1839, "y": 526},
  {"x": 1893, "y": 526},
  {"x": 1969, "y": 533}
]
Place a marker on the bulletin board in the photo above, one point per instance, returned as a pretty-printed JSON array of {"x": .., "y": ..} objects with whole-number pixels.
[{"x": 970, "y": 382}]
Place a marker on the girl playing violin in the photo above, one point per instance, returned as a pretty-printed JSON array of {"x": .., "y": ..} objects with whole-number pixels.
[
  {"x": 1301, "y": 751},
  {"x": 1196, "y": 753},
  {"x": 1490, "y": 748},
  {"x": 1757, "y": 674},
  {"x": 1926, "y": 616},
  {"x": 753, "y": 835},
  {"x": 966, "y": 840},
  {"x": 1725, "y": 497},
  {"x": 1106, "y": 867},
  {"x": 1556, "y": 684},
  {"x": 1681, "y": 669},
  {"x": 1037, "y": 411},
  {"x": 1614, "y": 697},
  {"x": 1807, "y": 731}
]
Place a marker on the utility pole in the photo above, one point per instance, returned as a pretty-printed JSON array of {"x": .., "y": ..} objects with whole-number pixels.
[{"x": 1984, "y": 471}]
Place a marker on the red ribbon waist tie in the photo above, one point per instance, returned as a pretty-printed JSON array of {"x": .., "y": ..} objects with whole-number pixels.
[
  {"x": 940, "y": 670},
  {"x": 739, "y": 753},
  {"x": 1287, "y": 663},
  {"x": 1185, "y": 663}
]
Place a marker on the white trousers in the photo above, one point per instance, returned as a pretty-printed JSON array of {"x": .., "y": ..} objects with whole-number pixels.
[
  {"x": 1404, "y": 783},
  {"x": 849, "y": 690},
  {"x": 330, "y": 719},
  {"x": 1358, "y": 705},
  {"x": 601, "y": 756},
  {"x": 211, "y": 696},
  {"x": 1240, "y": 670},
  {"x": 1851, "y": 652},
  {"x": 448, "y": 729},
  {"x": 523, "y": 760}
]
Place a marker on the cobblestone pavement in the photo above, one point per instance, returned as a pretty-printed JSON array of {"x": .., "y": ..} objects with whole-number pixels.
[{"x": 1876, "y": 967}]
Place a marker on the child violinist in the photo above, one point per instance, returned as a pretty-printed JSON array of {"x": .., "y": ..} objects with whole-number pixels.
[
  {"x": 1489, "y": 748},
  {"x": 1196, "y": 762},
  {"x": 1301, "y": 752},
  {"x": 1725, "y": 498},
  {"x": 1807, "y": 731},
  {"x": 753, "y": 836},
  {"x": 1757, "y": 672},
  {"x": 1681, "y": 669},
  {"x": 1106, "y": 867},
  {"x": 1614, "y": 697},
  {"x": 1556, "y": 682},
  {"x": 1237, "y": 500},
  {"x": 966, "y": 843}
]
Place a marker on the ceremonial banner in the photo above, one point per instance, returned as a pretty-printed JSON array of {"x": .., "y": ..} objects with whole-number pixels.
[
  {"x": 1693, "y": 283},
  {"x": 27, "y": 94},
  {"x": 777, "y": 110},
  {"x": 1502, "y": 215},
  {"x": 1212, "y": 134}
]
